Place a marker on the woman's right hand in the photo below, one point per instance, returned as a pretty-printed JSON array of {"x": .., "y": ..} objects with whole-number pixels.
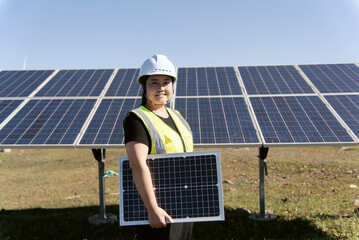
[{"x": 158, "y": 217}]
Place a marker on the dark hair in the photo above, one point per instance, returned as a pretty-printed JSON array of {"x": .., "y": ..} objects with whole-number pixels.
[{"x": 143, "y": 81}]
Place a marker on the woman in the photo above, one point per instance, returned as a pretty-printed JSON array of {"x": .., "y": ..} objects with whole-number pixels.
[{"x": 152, "y": 129}]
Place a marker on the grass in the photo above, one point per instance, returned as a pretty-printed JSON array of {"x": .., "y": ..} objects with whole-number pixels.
[{"x": 49, "y": 194}]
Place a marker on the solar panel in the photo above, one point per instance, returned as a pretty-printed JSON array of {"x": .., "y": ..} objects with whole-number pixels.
[
  {"x": 125, "y": 84},
  {"x": 273, "y": 80},
  {"x": 188, "y": 186},
  {"x": 218, "y": 120},
  {"x": 347, "y": 106},
  {"x": 297, "y": 119},
  {"x": 47, "y": 122},
  {"x": 105, "y": 127},
  {"x": 76, "y": 83},
  {"x": 21, "y": 83},
  {"x": 205, "y": 81},
  {"x": 7, "y": 107},
  {"x": 333, "y": 78}
]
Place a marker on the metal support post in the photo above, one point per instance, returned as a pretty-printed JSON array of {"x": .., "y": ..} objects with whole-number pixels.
[
  {"x": 262, "y": 216},
  {"x": 97, "y": 219}
]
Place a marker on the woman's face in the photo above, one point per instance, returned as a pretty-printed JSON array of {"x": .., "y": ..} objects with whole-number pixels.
[{"x": 159, "y": 88}]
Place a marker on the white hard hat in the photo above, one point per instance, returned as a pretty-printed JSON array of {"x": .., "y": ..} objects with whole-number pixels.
[{"x": 157, "y": 65}]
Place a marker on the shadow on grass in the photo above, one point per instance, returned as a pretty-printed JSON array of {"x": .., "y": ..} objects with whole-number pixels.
[{"x": 72, "y": 223}]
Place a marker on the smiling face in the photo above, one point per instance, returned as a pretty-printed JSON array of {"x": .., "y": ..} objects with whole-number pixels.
[{"x": 159, "y": 89}]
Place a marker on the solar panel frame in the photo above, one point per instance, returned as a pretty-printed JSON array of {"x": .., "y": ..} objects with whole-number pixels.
[{"x": 180, "y": 178}]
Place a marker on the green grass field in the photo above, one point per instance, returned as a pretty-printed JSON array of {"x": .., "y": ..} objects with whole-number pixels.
[{"x": 49, "y": 194}]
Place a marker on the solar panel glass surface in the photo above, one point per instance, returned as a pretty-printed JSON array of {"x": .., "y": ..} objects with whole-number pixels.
[
  {"x": 7, "y": 107},
  {"x": 125, "y": 84},
  {"x": 188, "y": 187},
  {"x": 21, "y": 83},
  {"x": 106, "y": 125},
  {"x": 49, "y": 122},
  {"x": 273, "y": 80},
  {"x": 347, "y": 106},
  {"x": 74, "y": 83},
  {"x": 206, "y": 81},
  {"x": 218, "y": 120},
  {"x": 333, "y": 78},
  {"x": 297, "y": 119}
]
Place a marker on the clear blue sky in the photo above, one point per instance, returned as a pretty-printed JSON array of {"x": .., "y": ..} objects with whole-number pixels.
[{"x": 69, "y": 34}]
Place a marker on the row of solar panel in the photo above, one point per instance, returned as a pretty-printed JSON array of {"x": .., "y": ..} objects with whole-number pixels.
[
  {"x": 222, "y": 120},
  {"x": 214, "y": 121},
  {"x": 201, "y": 81}
]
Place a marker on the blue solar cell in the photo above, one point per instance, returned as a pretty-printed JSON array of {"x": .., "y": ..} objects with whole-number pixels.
[
  {"x": 333, "y": 78},
  {"x": 76, "y": 83},
  {"x": 207, "y": 81},
  {"x": 347, "y": 106},
  {"x": 273, "y": 80},
  {"x": 218, "y": 120},
  {"x": 106, "y": 125},
  {"x": 125, "y": 84},
  {"x": 47, "y": 122},
  {"x": 301, "y": 119},
  {"x": 21, "y": 83},
  {"x": 7, "y": 107},
  {"x": 188, "y": 187}
]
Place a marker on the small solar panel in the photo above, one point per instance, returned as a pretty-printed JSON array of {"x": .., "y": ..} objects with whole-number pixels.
[
  {"x": 333, "y": 78},
  {"x": 74, "y": 83},
  {"x": 347, "y": 107},
  {"x": 7, "y": 107},
  {"x": 273, "y": 80},
  {"x": 49, "y": 122},
  {"x": 124, "y": 84},
  {"x": 206, "y": 81},
  {"x": 218, "y": 120},
  {"x": 105, "y": 127},
  {"x": 21, "y": 83},
  {"x": 188, "y": 186},
  {"x": 297, "y": 119}
]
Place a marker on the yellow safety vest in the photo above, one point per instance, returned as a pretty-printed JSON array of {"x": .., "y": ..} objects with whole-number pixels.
[{"x": 164, "y": 139}]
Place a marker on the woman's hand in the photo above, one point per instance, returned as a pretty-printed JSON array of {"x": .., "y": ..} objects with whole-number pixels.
[{"x": 158, "y": 217}]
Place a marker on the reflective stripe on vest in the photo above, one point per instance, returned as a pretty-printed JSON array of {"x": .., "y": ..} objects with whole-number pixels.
[{"x": 156, "y": 137}]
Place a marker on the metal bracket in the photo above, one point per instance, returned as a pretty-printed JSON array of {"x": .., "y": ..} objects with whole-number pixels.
[
  {"x": 262, "y": 216},
  {"x": 102, "y": 217}
]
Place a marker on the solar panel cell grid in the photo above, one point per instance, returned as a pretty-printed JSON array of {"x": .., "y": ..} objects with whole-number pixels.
[
  {"x": 125, "y": 84},
  {"x": 218, "y": 120},
  {"x": 333, "y": 78},
  {"x": 297, "y": 120},
  {"x": 347, "y": 106},
  {"x": 47, "y": 122},
  {"x": 7, "y": 107},
  {"x": 106, "y": 125},
  {"x": 207, "y": 81},
  {"x": 76, "y": 83},
  {"x": 273, "y": 80},
  {"x": 21, "y": 83},
  {"x": 188, "y": 188}
]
